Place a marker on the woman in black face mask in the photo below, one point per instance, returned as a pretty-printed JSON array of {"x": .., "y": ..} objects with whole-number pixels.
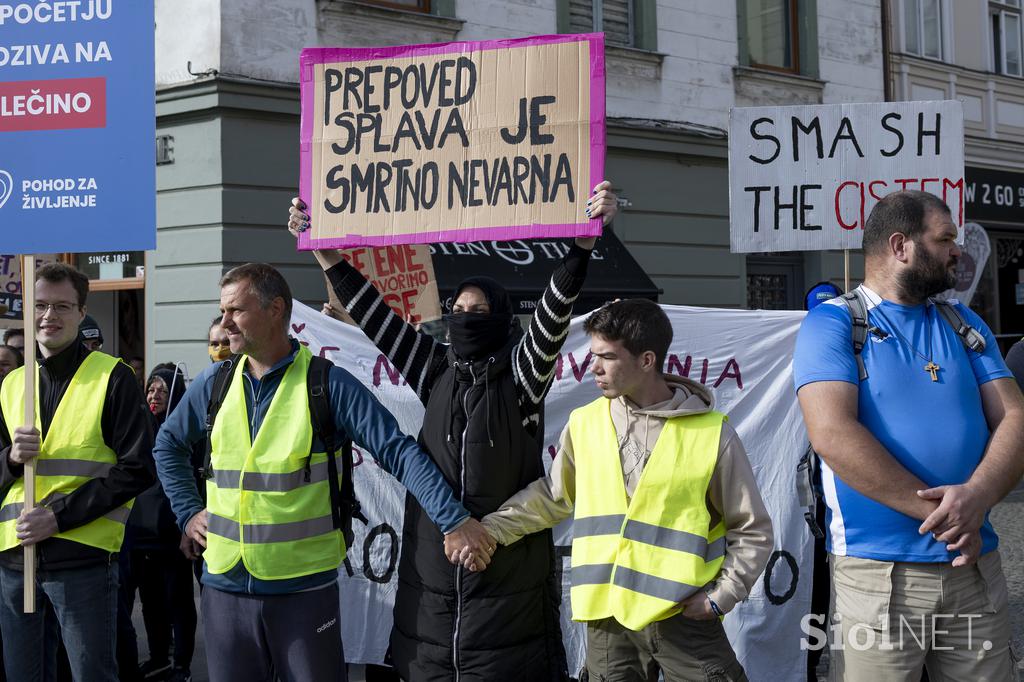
[{"x": 484, "y": 428}]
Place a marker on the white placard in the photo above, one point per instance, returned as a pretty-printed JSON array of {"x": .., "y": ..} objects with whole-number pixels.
[{"x": 805, "y": 178}]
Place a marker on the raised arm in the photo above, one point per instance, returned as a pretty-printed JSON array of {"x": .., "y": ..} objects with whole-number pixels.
[
  {"x": 538, "y": 351},
  {"x": 415, "y": 354}
]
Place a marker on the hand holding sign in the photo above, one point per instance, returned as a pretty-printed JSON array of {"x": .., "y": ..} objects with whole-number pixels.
[{"x": 604, "y": 204}]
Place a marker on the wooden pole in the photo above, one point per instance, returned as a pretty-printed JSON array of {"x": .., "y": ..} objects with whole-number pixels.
[
  {"x": 28, "y": 305},
  {"x": 846, "y": 270}
]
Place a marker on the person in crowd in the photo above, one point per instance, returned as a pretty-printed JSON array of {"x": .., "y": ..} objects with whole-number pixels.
[
  {"x": 916, "y": 449},
  {"x": 484, "y": 397},
  {"x": 219, "y": 347},
  {"x": 92, "y": 444},
  {"x": 91, "y": 334},
  {"x": 159, "y": 569},
  {"x": 669, "y": 528},
  {"x": 15, "y": 338},
  {"x": 10, "y": 359},
  {"x": 1015, "y": 362},
  {"x": 270, "y": 600}
]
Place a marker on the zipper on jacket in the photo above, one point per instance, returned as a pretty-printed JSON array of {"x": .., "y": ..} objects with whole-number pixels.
[{"x": 458, "y": 568}]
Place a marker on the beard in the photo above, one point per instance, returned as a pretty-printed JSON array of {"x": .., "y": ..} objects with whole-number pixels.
[{"x": 928, "y": 276}]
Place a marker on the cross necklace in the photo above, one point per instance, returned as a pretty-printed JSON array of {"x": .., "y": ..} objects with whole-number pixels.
[{"x": 931, "y": 367}]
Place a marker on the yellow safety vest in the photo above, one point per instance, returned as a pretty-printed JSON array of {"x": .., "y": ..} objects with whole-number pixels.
[
  {"x": 72, "y": 453},
  {"x": 268, "y": 502},
  {"x": 637, "y": 560}
]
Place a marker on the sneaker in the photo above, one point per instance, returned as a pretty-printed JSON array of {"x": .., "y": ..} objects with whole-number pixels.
[
  {"x": 180, "y": 675},
  {"x": 154, "y": 669}
]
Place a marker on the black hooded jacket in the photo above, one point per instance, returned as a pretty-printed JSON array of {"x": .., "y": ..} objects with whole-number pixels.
[
  {"x": 483, "y": 428},
  {"x": 152, "y": 524}
]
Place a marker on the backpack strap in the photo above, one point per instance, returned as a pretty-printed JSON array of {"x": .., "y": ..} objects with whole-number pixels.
[
  {"x": 221, "y": 381},
  {"x": 344, "y": 506},
  {"x": 808, "y": 489},
  {"x": 858, "y": 306},
  {"x": 969, "y": 336}
]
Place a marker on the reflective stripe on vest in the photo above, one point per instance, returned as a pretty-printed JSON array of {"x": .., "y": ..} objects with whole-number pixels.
[
  {"x": 72, "y": 453},
  {"x": 268, "y": 501},
  {"x": 636, "y": 560}
]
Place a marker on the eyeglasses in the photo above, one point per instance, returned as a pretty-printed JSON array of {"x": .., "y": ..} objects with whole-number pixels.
[{"x": 62, "y": 308}]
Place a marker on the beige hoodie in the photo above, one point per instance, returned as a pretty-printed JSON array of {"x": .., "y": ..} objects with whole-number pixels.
[{"x": 732, "y": 493}]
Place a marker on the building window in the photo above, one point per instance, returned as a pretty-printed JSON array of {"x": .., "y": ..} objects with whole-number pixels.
[
  {"x": 616, "y": 18},
  {"x": 411, "y": 5},
  {"x": 775, "y": 281},
  {"x": 1006, "y": 37},
  {"x": 772, "y": 34},
  {"x": 922, "y": 21}
]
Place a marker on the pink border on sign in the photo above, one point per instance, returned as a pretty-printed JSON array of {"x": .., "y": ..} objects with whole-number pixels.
[{"x": 320, "y": 55}]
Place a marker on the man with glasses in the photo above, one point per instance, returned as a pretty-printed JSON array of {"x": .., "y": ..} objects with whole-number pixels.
[{"x": 92, "y": 444}]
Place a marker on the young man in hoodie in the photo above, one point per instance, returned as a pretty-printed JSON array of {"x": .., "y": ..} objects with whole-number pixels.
[{"x": 670, "y": 531}]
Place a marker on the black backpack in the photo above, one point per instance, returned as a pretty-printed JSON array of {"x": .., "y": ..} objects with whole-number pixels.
[
  {"x": 344, "y": 505},
  {"x": 808, "y": 476}
]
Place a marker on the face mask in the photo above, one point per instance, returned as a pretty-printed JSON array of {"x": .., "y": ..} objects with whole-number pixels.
[
  {"x": 474, "y": 335},
  {"x": 218, "y": 353}
]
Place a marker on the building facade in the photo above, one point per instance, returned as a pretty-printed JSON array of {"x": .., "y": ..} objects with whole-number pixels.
[
  {"x": 228, "y": 118},
  {"x": 971, "y": 50}
]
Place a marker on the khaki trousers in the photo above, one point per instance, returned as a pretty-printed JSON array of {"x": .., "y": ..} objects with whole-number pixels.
[
  {"x": 895, "y": 618},
  {"x": 686, "y": 650}
]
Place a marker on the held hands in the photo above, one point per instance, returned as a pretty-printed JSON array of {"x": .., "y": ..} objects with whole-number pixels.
[
  {"x": 604, "y": 203},
  {"x": 195, "y": 529},
  {"x": 969, "y": 546},
  {"x": 961, "y": 510},
  {"x": 470, "y": 545}
]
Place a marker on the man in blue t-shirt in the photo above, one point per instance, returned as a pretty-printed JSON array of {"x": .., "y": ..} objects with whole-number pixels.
[{"x": 913, "y": 458}]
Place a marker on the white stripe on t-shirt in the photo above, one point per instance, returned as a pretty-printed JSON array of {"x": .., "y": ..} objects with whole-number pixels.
[{"x": 837, "y": 527}]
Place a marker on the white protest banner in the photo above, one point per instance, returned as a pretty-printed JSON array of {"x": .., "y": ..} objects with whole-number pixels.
[
  {"x": 805, "y": 178},
  {"x": 745, "y": 357}
]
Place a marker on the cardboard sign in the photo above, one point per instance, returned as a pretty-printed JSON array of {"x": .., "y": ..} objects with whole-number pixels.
[
  {"x": 806, "y": 178},
  {"x": 452, "y": 142},
  {"x": 10, "y": 282},
  {"x": 77, "y": 123},
  {"x": 404, "y": 275}
]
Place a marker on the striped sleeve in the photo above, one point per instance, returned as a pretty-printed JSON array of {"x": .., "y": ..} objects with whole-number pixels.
[
  {"x": 535, "y": 358},
  {"x": 415, "y": 354}
]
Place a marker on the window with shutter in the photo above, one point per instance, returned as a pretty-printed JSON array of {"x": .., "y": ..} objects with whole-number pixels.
[{"x": 614, "y": 17}]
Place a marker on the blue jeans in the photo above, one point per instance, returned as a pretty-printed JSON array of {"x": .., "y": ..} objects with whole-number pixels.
[{"x": 82, "y": 601}]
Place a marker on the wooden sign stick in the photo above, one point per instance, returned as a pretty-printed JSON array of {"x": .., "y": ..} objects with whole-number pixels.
[{"x": 28, "y": 308}]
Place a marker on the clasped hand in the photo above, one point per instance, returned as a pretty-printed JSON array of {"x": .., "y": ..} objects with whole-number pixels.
[{"x": 470, "y": 545}]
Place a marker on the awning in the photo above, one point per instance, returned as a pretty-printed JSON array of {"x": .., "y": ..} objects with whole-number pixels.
[{"x": 525, "y": 268}]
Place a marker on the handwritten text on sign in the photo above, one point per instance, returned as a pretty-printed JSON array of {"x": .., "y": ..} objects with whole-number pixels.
[
  {"x": 455, "y": 142},
  {"x": 806, "y": 178},
  {"x": 404, "y": 275}
]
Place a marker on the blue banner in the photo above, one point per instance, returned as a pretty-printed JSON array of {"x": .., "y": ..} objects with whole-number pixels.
[{"x": 77, "y": 126}]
